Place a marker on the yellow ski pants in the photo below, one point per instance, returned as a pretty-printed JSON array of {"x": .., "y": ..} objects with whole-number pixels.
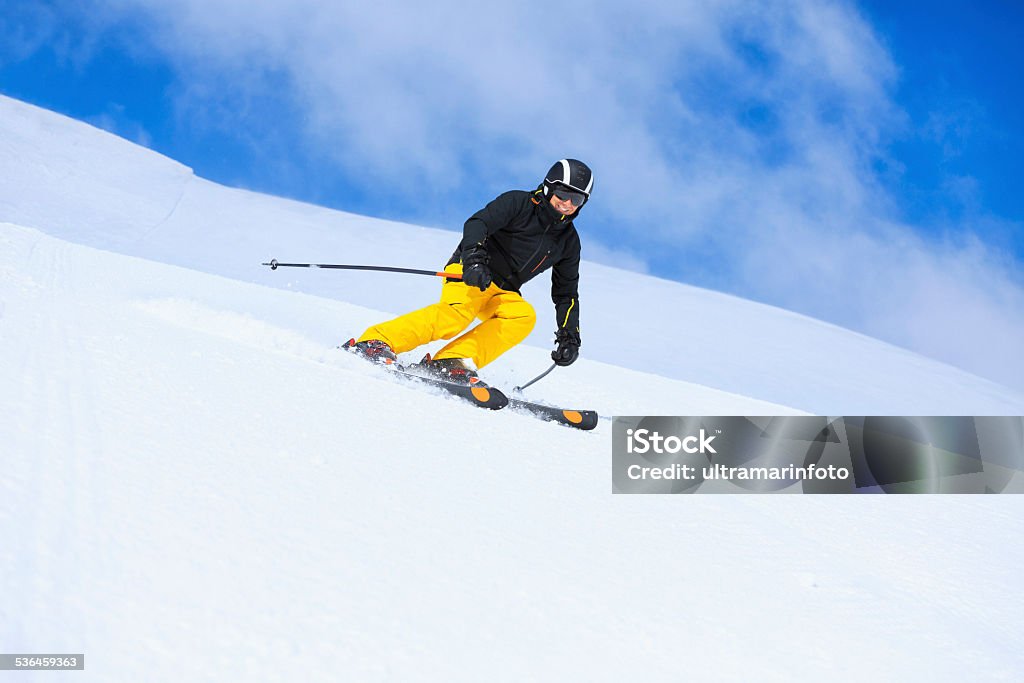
[{"x": 506, "y": 319}]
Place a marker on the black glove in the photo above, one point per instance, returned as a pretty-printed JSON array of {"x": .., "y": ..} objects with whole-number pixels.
[
  {"x": 568, "y": 347},
  {"x": 475, "y": 272}
]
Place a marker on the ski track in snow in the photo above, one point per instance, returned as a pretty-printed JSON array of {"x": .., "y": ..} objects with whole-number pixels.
[{"x": 197, "y": 486}]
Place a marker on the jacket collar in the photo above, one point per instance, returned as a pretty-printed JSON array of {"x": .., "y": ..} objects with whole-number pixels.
[{"x": 548, "y": 214}]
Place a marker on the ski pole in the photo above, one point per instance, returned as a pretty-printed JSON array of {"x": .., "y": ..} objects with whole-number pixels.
[
  {"x": 536, "y": 379},
  {"x": 275, "y": 264}
]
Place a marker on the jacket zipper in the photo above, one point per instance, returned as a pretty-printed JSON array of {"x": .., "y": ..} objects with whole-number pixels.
[{"x": 537, "y": 251}]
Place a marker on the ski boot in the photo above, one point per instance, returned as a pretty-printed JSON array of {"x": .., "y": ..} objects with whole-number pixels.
[
  {"x": 373, "y": 350},
  {"x": 457, "y": 370}
]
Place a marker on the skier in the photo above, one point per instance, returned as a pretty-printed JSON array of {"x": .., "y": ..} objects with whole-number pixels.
[{"x": 516, "y": 237}]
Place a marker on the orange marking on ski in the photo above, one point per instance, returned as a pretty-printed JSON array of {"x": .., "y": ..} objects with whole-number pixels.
[
  {"x": 482, "y": 394},
  {"x": 572, "y": 416}
]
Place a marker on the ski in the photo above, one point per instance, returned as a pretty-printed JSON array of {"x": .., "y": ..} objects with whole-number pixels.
[
  {"x": 578, "y": 419},
  {"x": 485, "y": 396},
  {"x": 477, "y": 393}
]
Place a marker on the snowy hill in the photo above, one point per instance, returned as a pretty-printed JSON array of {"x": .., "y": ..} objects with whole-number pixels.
[
  {"x": 77, "y": 183},
  {"x": 196, "y": 486}
]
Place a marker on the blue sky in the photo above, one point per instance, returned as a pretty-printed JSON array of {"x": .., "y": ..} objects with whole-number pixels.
[
  {"x": 855, "y": 161},
  {"x": 958, "y": 64}
]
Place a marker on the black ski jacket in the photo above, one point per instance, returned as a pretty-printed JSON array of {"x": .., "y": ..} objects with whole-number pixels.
[{"x": 524, "y": 236}]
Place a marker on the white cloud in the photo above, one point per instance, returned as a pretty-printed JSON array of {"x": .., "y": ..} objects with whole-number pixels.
[
  {"x": 114, "y": 120},
  {"x": 25, "y": 28},
  {"x": 744, "y": 130}
]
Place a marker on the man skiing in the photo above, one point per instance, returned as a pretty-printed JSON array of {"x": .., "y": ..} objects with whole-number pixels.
[{"x": 516, "y": 237}]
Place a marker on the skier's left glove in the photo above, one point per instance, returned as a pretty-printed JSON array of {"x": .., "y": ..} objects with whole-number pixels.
[
  {"x": 568, "y": 349},
  {"x": 475, "y": 272}
]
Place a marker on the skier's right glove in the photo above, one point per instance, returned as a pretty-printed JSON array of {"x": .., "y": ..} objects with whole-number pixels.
[
  {"x": 475, "y": 272},
  {"x": 568, "y": 349}
]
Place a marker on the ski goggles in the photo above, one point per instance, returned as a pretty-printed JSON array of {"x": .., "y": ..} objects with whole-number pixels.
[{"x": 566, "y": 194}]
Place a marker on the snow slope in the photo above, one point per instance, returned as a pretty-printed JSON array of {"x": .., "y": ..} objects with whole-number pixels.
[
  {"x": 196, "y": 486},
  {"x": 72, "y": 181}
]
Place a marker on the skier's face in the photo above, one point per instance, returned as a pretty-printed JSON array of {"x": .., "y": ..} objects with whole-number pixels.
[{"x": 562, "y": 206}]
